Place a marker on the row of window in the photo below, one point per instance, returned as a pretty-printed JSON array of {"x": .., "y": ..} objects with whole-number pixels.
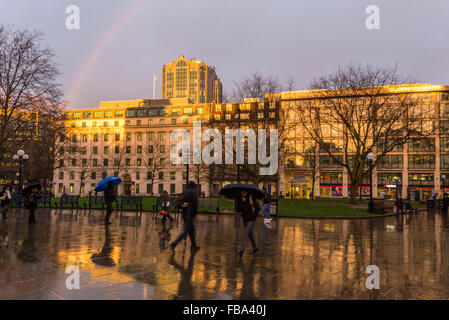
[
  {"x": 93, "y": 175},
  {"x": 144, "y": 112},
  {"x": 117, "y": 162},
  {"x": 382, "y": 178},
  {"x": 128, "y": 136},
  {"x": 129, "y": 123}
]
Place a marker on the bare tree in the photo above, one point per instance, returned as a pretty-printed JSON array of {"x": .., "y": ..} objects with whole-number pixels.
[
  {"x": 28, "y": 87},
  {"x": 366, "y": 109},
  {"x": 152, "y": 156}
]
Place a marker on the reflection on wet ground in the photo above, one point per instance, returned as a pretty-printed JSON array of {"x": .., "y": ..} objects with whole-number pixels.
[{"x": 298, "y": 258}]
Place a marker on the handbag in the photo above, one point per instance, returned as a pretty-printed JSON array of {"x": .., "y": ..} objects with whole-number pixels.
[{"x": 163, "y": 213}]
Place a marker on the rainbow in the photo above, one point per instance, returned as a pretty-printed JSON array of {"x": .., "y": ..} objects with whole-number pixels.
[{"x": 99, "y": 48}]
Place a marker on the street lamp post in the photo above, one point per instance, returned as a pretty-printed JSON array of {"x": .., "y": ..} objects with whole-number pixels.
[
  {"x": 370, "y": 158},
  {"x": 20, "y": 157},
  {"x": 238, "y": 141},
  {"x": 186, "y": 149}
]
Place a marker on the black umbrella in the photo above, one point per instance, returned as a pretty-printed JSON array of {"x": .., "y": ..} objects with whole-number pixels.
[
  {"x": 31, "y": 187},
  {"x": 233, "y": 191}
]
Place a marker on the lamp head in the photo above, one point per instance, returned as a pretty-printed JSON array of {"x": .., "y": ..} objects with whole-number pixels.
[
  {"x": 25, "y": 156},
  {"x": 15, "y": 157},
  {"x": 20, "y": 152},
  {"x": 443, "y": 176},
  {"x": 370, "y": 156}
]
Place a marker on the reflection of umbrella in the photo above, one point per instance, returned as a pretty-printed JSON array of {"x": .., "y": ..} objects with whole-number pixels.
[
  {"x": 103, "y": 258},
  {"x": 103, "y": 184},
  {"x": 31, "y": 187},
  {"x": 233, "y": 190}
]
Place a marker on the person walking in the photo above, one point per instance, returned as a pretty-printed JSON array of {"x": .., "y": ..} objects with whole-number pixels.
[
  {"x": 445, "y": 203},
  {"x": 249, "y": 208},
  {"x": 109, "y": 198},
  {"x": 30, "y": 200},
  {"x": 5, "y": 198},
  {"x": 189, "y": 204},
  {"x": 266, "y": 207},
  {"x": 399, "y": 205},
  {"x": 165, "y": 204}
]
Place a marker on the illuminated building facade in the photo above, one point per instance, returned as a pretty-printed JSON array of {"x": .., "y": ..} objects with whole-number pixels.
[{"x": 191, "y": 79}]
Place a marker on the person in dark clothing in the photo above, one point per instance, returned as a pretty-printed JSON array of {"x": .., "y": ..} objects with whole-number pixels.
[
  {"x": 109, "y": 198},
  {"x": 5, "y": 198},
  {"x": 399, "y": 205},
  {"x": 266, "y": 206},
  {"x": 249, "y": 208},
  {"x": 445, "y": 203},
  {"x": 31, "y": 199},
  {"x": 166, "y": 207},
  {"x": 189, "y": 204}
]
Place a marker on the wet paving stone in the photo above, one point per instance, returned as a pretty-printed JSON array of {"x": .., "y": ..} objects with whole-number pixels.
[{"x": 298, "y": 258}]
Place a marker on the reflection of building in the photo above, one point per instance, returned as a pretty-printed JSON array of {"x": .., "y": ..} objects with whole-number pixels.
[
  {"x": 415, "y": 167},
  {"x": 191, "y": 79}
]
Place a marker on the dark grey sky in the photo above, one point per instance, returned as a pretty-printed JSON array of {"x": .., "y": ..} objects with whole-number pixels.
[{"x": 121, "y": 44}]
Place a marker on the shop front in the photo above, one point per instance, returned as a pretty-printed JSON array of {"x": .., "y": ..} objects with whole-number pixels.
[
  {"x": 420, "y": 186},
  {"x": 299, "y": 187}
]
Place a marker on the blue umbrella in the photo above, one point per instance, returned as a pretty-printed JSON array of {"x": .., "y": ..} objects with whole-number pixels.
[{"x": 103, "y": 184}]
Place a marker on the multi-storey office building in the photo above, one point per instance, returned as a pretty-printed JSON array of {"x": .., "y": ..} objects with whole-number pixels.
[
  {"x": 191, "y": 79},
  {"x": 132, "y": 139},
  {"x": 414, "y": 169}
]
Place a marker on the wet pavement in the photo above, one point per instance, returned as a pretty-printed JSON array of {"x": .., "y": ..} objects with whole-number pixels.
[{"x": 298, "y": 258}]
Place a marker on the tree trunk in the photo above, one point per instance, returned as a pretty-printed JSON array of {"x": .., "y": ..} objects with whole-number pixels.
[{"x": 353, "y": 193}]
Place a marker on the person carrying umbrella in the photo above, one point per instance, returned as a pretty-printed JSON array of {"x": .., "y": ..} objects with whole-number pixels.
[
  {"x": 248, "y": 206},
  {"x": 109, "y": 198},
  {"x": 189, "y": 204},
  {"x": 31, "y": 197},
  {"x": 165, "y": 207}
]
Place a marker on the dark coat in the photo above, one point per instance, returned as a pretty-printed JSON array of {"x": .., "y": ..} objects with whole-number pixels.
[
  {"x": 249, "y": 212},
  {"x": 31, "y": 200},
  {"x": 109, "y": 195},
  {"x": 189, "y": 196},
  {"x": 6, "y": 201},
  {"x": 267, "y": 198}
]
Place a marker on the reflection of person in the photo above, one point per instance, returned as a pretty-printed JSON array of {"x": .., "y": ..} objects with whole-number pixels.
[
  {"x": 248, "y": 207},
  {"x": 31, "y": 199},
  {"x": 27, "y": 253},
  {"x": 247, "y": 292},
  {"x": 445, "y": 203},
  {"x": 109, "y": 198},
  {"x": 185, "y": 288},
  {"x": 189, "y": 204},
  {"x": 164, "y": 238},
  {"x": 5, "y": 198},
  {"x": 103, "y": 258}
]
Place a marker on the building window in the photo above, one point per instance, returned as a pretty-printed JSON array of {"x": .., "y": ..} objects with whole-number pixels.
[
  {"x": 141, "y": 113},
  {"x": 172, "y": 175},
  {"x": 172, "y": 188},
  {"x": 163, "y": 112},
  {"x": 72, "y": 188},
  {"x": 161, "y": 188},
  {"x": 162, "y": 148},
  {"x": 98, "y": 114},
  {"x": 161, "y": 175},
  {"x": 94, "y": 162},
  {"x": 149, "y": 188},
  {"x": 128, "y": 149},
  {"x": 119, "y": 113},
  {"x": 185, "y": 121},
  {"x": 137, "y": 187},
  {"x": 93, "y": 175},
  {"x": 152, "y": 112},
  {"x": 162, "y": 161},
  {"x": 105, "y": 149},
  {"x": 128, "y": 162},
  {"x": 87, "y": 115},
  {"x": 106, "y": 137},
  {"x": 420, "y": 179},
  {"x": 150, "y": 149},
  {"x": 95, "y": 150},
  {"x": 130, "y": 113},
  {"x": 108, "y": 114},
  {"x": 149, "y": 175},
  {"x": 128, "y": 136},
  {"x": 61, "y": 175},
  {"x": 139, "y": 136},
  {"x": 175, "y": 111},
  {"x": 139, "y": 149},
  {"x": 72, "y": 175},
  {"x": 139, "y": 162},
  {"x": 137, "y": 175},
  {"x": 161, "y": 121},
  {"x": 188, "y": 111},
  {"x": 104, "y": 174},
  {"x": 117, "y": 137},
  {"x": 105, "y": 162},
  {"x": 161, "y": 136},
  {"x": 173, "y": 121},
  {"x": 73, "y": 162},
  {"x": 150, "y": 136},
  {"x": 95, "y": 137},
  {"x": 444, "y": 161},
  {"x": 150, "y": 122},
  {"x": 117, "y": 149},
  {"x": 60, "y": 188}
]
